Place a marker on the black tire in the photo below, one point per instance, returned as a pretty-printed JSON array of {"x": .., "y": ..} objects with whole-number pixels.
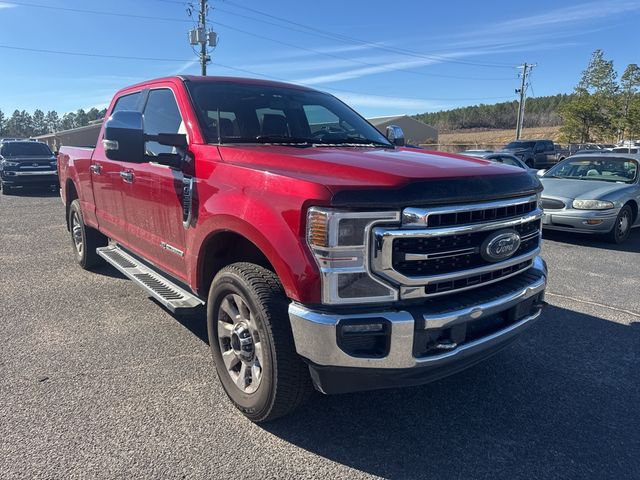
[
  {"x": 622, "y": 228},
  {"x": 529, "y": 162},
  {"x": 284, "y": 382},
  {"x": 84, "y": 239},
  {"x": 6, "y": 189}
]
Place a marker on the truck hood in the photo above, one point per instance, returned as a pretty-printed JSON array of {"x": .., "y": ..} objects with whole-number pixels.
[
  {"x": 583, "y": 189},
  {"x": 356, "y": 175}
]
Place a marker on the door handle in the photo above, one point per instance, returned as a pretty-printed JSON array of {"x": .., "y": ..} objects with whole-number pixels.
[
  {"x": 127, "y": 176},
  {"x": 95, "y": 168}
]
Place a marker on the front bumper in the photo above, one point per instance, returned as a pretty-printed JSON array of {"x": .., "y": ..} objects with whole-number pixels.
[
  {"x": 573, "y": 220},
  {"x": 20, "y": 178},
  {"x": 496, "y": 314}
]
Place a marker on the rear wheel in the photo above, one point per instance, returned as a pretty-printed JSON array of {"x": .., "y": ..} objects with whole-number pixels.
[
  {"x": 252, "y": 344},
  {"x": 85, "y": 240},
  {"x": 622, "y": 228}
]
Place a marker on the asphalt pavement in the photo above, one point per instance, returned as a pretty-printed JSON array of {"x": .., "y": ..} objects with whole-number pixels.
[{"x": 98, "y": 381}]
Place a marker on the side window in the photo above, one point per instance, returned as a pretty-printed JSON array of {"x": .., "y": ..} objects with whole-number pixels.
[
  {"x": 161, "y": 115},
  {"x": 127, "y": 102}
]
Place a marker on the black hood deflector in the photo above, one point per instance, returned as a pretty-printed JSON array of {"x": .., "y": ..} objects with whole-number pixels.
[{"x": 441, "y": 192}]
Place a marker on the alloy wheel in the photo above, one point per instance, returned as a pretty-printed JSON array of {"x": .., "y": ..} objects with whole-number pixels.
[
  {"x": 76, "y": 232},
  {"x": 240, "y": 344}
]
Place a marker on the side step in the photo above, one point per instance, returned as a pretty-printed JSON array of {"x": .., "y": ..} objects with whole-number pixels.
[{"x": 175, "y": 298}]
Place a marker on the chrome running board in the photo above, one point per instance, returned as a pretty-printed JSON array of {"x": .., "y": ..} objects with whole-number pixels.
[{"x": 173, "y": 297}]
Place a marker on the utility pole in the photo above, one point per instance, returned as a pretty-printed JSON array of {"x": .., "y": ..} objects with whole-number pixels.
[
  {"x": 526, "y": 71},
  {"x": 202, "y": 36}
]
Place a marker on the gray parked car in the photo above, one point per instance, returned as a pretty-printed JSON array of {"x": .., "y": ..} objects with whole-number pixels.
[
  {"x": 505, "y": 158},
  {"x": 593, "y": 193}
]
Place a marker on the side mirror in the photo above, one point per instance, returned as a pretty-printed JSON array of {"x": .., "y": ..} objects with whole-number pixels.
[
  {"x": 541, "y": 172},
  {"x": 395, "y": 135},
  {"x": 124, "y": 137}
]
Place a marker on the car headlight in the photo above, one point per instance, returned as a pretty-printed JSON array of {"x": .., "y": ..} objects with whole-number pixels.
[
  {"x": 7, "y": 163},
  {"x": 339, "y": 243},
  {"x": 592, "y": 205}
]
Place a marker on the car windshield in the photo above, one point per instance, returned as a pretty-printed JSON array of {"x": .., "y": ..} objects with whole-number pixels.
[
  {"x": 26, "y": 149},
  {"x": 274, "y": 114},
  {"x": 520, "y": 145},
  {"x": 598, "y": 168},
  {"x": 626, "y": 150}
]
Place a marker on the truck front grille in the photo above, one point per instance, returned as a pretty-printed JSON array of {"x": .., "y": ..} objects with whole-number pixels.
[{"x": 437, "y": 260}]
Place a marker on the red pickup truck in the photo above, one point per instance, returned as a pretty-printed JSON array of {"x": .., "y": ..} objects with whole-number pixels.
[{"x": 325, "y": 254}]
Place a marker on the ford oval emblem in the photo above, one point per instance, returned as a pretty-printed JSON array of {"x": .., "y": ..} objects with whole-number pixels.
[{"x": 500, "y": 245}]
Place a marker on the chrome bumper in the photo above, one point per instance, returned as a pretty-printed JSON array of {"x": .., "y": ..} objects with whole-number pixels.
[
  {"x": 573, "y": 220},
  {"x": 315, "y": 333}
]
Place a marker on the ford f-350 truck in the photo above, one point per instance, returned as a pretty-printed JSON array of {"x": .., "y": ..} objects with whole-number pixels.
[{"x": 325, "y": 254}]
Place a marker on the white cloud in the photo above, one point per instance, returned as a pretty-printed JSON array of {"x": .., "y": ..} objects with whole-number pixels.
[
  {"x": 186, "y": 66},
  {"x": 4, "y": 5},
  {"x": 389, "y": 103}
]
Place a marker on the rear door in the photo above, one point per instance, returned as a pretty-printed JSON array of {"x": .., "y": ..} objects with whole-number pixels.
[
  {"x": 154, "y": 199},
  {"x": 108, "y": 183}
]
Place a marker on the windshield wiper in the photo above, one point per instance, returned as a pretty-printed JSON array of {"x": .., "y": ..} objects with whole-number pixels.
[
  {"x": 285, "y": 140},
  {"x": 355, "y": 142}
]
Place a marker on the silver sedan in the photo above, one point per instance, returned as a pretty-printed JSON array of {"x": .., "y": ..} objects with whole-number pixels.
[{"x": 593, "y": 193}]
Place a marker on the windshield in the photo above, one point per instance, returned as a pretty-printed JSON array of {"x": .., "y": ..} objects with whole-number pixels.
[
  {"x": 289, "y": 116},
  {"x": 513, "y": 145},
  {"x": 26, "y": 149},
  {"x": 597, "y": 168}
]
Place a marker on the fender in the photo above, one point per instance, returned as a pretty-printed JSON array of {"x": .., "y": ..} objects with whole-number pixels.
[{"x": 270, "y": 212}]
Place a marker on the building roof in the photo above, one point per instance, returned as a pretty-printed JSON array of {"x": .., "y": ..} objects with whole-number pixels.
[{"x": 380, "y": 120}]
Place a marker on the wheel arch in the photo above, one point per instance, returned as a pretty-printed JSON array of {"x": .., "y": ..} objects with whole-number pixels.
[
  {"x": 634, "y": 209},
  {"x": 223, "y": 248},
  {"x": 70, "y": 194}
]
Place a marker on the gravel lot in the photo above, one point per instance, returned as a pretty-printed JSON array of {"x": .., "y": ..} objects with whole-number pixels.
[{"x": 98, "y": 381}]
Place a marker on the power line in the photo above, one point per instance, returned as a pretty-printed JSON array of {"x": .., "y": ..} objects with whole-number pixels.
[
  {"x": 364, "y": 42},
  {"x": 522, "y": 91},
  {"x": 96, "y": 55},
  {"x": 250, "y": 72},
  {"x": 95, "y": 12},
  {"x": 245, "y": 32}
]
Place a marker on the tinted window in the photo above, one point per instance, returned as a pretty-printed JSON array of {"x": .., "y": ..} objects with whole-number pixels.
[
  {"x": 127, "y": 102},
  {"x": 161, "y": 115},
  {"x": 280, "y": 114},
  {"x": 596, "y": 168},
  {"x": 15, "y": 149},
  {"x": 520, "y": 145},
  {"x": 507, "y": 161}
]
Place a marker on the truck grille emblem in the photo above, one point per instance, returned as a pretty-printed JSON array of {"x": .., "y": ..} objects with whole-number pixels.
[{"x": 500, "y": 246}]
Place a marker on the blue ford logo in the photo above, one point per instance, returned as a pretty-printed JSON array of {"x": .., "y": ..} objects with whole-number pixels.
[{"x": 500, "y": 246}]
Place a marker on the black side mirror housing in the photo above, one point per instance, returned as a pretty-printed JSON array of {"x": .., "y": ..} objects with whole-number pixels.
[
  {"x": 124, "y": 137},
  {"x": 395, "y": 135}
]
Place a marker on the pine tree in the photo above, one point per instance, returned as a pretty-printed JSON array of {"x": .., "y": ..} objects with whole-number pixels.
[
  {"x": 3, "y": 122},
  {"x": 39, "y": 125},
  {"x": 52, "y": 121},
  {"x": 629, "y": 86}
]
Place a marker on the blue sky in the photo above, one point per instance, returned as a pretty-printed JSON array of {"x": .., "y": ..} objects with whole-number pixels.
[{"x": 381, "y": 57}]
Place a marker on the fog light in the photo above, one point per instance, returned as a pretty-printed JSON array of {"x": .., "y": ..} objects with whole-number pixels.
[
  {"x": 593, "y": 221},
  {"x": 371, "y": 327},
  {"x": 364, "y": 337}
]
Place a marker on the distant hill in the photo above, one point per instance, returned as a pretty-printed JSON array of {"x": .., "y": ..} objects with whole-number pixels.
[{"x": 540, "y": 112}]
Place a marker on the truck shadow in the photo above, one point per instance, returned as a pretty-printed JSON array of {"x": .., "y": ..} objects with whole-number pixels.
[
  {"x": 560, "y": 403},
  {"x": 631, "y": 245}
]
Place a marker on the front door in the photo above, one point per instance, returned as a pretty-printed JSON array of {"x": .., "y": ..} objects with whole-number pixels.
[
  {"x": 109, "y": 184},
  {"x": 154, "y": 199}
]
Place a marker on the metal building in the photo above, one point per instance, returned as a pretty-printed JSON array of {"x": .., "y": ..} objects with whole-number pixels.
[{"x": 415, "y": 131}]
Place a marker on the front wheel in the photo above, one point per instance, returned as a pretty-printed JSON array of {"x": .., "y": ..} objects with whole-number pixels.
[
  {"x": 252, "y": 344},
  {"x": 6, "y": 189},
  {"x": 622, "y": 228},
  {"x": 84, "y": 239}
]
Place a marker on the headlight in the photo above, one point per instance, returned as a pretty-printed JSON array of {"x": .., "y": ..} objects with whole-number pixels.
[
  {"x": 592, "y": 205},
  {"x": 7, "y": 163},
  {"x": 338, "y": 241}
]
